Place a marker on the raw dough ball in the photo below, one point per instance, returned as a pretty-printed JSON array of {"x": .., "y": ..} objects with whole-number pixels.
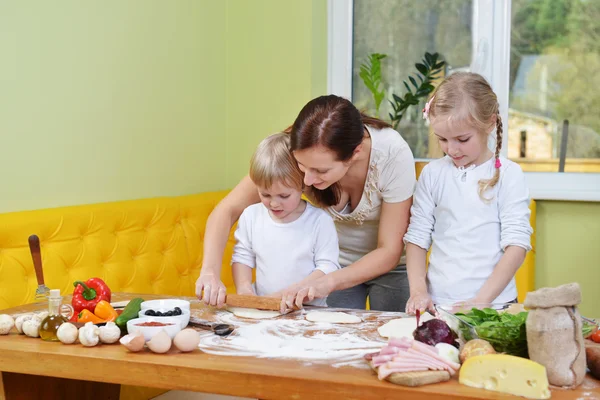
[
  {"x": 402, "y": 327},
  {"x": 253, "y": 313},
  {"x": 334, "y": 317}
]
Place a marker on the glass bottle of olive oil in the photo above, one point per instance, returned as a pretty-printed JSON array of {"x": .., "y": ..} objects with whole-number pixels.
[{"x": 55, "y": 317}]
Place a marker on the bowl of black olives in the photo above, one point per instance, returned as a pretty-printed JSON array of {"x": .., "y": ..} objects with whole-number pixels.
[{"x": 182, "y": 315}]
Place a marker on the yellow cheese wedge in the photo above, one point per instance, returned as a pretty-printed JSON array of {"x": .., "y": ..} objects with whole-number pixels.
[{"x": 506, "y": 374}]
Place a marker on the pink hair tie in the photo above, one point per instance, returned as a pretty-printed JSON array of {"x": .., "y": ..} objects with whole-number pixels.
[
  {"x": 426, "y": 109},
  {"x": 498, "y": 163}
]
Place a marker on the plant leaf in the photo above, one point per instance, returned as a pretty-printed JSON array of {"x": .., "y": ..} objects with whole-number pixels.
[{"x": 421, "y": 68}]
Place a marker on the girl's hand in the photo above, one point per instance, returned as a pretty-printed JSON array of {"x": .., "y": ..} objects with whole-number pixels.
[
  {"x": 210, "y": 289},
  {"x": 466, "y": 305},
  {"x": 419, "y": 301}
]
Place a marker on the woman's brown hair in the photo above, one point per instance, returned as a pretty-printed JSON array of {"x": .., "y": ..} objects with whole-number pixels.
[
  {"x": 468, "y": 97},
  {"x": 334, "y": 123}
]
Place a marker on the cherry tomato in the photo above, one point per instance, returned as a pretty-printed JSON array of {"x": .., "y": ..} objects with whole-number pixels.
[{"x": 596, "y": 336}]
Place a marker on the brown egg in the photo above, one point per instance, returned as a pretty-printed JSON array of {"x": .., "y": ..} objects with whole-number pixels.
[
  {"x": 187, "y": 340},
  {"x": 160, "y": 343},
  {"x": 134, "y": 341}
]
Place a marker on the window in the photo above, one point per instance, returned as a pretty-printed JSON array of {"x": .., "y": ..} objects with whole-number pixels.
[
  {"x": 542, "y": 67},
  {"x": 555, "y": 59}
]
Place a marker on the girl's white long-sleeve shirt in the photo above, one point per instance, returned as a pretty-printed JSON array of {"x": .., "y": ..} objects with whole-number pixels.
[{"x": 467, "y": 235}]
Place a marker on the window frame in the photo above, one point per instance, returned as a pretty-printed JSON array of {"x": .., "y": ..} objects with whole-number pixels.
[{"x": 491, "y": 49}]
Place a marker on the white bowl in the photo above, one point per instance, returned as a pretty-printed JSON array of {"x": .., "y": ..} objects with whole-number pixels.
[
  {"x": 150, "y": 331},
  {"x": 165, "y": 304},
  {"x": 184, "y": 318}
]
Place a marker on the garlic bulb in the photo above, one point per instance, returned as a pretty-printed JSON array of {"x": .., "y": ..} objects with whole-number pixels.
[
  {"x": 160, "y": 343},
  {"x": 110, "y": 333},
  {"x": 134, "y": 341},
  {"x": 20, "y": 319},
  {"x": 89, "y": 335},
  {"x": 6, "y": 324},
  {"x": 31, "y": 327},
  {"x": 67, "y": 333}
]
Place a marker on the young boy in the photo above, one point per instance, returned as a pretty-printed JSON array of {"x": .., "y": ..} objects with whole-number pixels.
[{"x": 287, "y": 240}]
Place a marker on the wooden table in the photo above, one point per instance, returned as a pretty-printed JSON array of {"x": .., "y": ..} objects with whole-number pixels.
[{"x": 33, "y": 368}]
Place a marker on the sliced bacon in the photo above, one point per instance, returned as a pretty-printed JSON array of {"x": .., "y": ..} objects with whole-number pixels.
[
  {"x": 389, "y": 350},
  {"x": 382, "y": 359},
  {"x": 402, "y": 343},
  {"x": 433, "y": 352},
  {"x": 434, "y": 362}
]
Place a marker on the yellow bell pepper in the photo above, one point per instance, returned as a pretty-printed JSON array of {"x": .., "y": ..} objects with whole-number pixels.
[
  {"x": 105, "y": 311},
  {"x": 87, "y": 316}
]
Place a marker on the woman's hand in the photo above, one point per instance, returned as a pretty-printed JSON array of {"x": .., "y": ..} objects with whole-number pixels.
[
  {"x": 419, "y": 301},
  {"x": 316, "y": 290},
  {"x": 214, "y": 290}
]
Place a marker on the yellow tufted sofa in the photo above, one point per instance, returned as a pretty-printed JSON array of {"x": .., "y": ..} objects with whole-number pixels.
[{"x": 139, "y": 246}]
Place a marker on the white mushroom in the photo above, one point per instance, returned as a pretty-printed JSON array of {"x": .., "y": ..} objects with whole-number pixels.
[
  {"x": 67, "y": 333},
  {"x": 41, "y": 315},
  {"x": 20, "y": 319},
  {"x": 134, "y": 341},
  {"x": 110, "y": 333},
  {"x": 160, "y": 343},
  {"x": 6, "y": 324},
  {"x": 89, "y": 335},
  {"x": 31, "y": 327}
]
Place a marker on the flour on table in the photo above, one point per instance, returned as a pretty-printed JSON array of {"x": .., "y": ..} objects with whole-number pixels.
[
  {"x": 333, "y": 317},
  {"x": 253, "y": 313},
  {"x": 297, "y": 339},
  {"x": 402, "y": 327}
]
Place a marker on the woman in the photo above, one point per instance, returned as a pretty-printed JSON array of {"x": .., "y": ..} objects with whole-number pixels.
[{"x": 362, "y": 172}]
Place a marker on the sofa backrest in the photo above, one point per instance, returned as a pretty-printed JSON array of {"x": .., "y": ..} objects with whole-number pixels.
[{"x": 139, "y": 246}]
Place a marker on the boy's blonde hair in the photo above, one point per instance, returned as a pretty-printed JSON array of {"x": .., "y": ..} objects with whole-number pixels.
[
  {"x": 466, "y": 97},
  {"x": 273, "y": 161}
]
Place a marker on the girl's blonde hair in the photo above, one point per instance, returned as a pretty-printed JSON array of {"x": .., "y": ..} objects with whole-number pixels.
[
  {"x": 466, "y": 97},
  {"x": 273, "y": 161}
]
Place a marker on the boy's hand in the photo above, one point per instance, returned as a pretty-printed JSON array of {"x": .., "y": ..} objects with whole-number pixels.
[{"x": 419, "y": 301}]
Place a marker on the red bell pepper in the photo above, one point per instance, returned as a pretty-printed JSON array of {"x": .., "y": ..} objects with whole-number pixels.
[{"x": 87, "y": 295}]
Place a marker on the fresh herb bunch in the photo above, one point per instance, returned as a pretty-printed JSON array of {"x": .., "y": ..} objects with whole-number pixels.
[{"x": 504, "y": 331}]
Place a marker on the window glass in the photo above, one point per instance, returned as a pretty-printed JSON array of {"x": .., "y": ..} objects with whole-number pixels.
[{"x": 554, "y": 81}]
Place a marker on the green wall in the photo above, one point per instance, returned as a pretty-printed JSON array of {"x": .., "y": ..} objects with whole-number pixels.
[
  {"x": 108, "y": 101},
  {"x": 568, "y": 249},
  {"x": 120, "y": 100}
]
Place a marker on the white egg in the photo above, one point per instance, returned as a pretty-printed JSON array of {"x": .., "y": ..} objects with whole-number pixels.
[
  {"x": 160, "y": 343},
  {"x": 187, "y": 340}
]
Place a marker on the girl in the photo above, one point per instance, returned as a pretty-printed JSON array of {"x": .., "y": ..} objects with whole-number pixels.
[
  {"x": 471, "y": 207},
  {"x": 287, "y": 240},
  {"x": 363, "y": 173}
]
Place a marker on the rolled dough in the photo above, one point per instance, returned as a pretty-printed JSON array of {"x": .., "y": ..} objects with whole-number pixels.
[
  {"x": 333, "y": 317},
  {"x": 253, "y": 313},
  {"x": 402, "y": 327}
]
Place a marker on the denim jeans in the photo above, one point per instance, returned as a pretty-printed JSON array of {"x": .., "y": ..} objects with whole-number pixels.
[{"x": 388, "y": 292}]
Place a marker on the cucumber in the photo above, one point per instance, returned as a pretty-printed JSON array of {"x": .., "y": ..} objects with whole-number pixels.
[{"x": 131, "y": 311}]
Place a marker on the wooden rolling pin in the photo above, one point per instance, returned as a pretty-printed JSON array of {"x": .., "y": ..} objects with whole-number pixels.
[{"x": 259, "y": 302}]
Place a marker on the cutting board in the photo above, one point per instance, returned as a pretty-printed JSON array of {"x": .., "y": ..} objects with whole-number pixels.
[{"x": 416, "y": 378}]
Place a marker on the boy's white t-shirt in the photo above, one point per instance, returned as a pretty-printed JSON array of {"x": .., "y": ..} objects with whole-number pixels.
[
  {"x": 390, "y": 179},
  {"x": 285, "y": 253},
  {"x": 468, "y": 236}
]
